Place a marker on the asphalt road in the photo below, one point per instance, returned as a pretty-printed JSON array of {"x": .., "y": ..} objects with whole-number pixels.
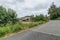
[{"x": 48, "y": 31}]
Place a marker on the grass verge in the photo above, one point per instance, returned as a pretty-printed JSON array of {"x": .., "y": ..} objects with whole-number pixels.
[{"x": 8, "y": 29}]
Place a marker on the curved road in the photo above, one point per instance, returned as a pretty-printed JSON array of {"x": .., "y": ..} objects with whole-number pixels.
[{"x": 48, "y": 31}]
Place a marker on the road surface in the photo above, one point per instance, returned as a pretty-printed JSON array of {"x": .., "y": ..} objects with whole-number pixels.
[{"x": 48, "y": 31}]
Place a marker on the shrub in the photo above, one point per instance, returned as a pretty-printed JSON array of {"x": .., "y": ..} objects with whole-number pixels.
[
  {"x": 3, "y": 31},
  {"x": 9, "y": 29},
  {"x": 40, "y": 17}
]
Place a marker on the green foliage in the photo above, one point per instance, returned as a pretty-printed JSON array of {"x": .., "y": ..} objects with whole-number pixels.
[
  {"x": 7, "y": 16},
  {"x": 54, "y": 11},
  {"x": 40, "y": 17},
  {"x": 12, "y": 16},
  {"x": 9, "y": 29},
  {"x": 17, "y": 27},
  {"x": 3, "y": 16}
]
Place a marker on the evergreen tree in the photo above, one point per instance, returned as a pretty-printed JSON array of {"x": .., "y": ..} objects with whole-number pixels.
[{"x": 53, "y": 11}]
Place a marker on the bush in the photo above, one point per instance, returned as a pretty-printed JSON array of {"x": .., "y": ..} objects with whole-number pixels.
[
  {"x": 3, "y": 31},
  {"x": 7, "y": 16},
  {"x": 9, "y": 29},
  {"x": 40, "y": 17},
  {"x": 58, "y": 18}
]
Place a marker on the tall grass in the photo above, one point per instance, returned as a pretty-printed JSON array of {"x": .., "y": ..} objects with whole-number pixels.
[{"x": 9, "y": 28}]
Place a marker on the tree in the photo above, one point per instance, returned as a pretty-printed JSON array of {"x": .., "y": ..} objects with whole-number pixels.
[
  {"x": 40, "y": 17},
  {"x": 58, "y": 11},
  {"x": 53, "y": 11},
  {"x": 7, "y": 16},
  {"x": 12, "y": 16},
  {"x": 3, "y": 15}
]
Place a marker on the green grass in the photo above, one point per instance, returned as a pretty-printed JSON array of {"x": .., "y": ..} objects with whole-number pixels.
[{"x": 17, "y": 27}]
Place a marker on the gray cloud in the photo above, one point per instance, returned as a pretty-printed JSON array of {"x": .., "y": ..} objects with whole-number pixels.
[
  {"x": 32, "y": 7},
  {"x": 57, "y": 2},
  {"x": 37, "y": 7},
  {"x": 20, "y": 0}
]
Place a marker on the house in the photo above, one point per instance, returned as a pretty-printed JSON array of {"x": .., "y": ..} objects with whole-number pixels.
[{"x": 26, "y": 18}]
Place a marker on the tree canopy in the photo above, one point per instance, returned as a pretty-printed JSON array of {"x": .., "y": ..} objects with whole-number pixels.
[
  {"x": 54, "y": 11},
  {"x": 7, "y": 16},
  {"x": 40, "y": 17}
]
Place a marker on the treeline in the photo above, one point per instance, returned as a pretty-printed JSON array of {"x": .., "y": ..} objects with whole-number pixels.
[
  {"x": 54, "y": 12},
  {"x": 7, "y": 16},
  {"x": 40, "y": 17}
]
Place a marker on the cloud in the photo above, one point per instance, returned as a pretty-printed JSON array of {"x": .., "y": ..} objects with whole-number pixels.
[
  {"x": 38, "y": 7},
  {"x": 35, "y": 7},
  {"x": 28, "y": 7},
  {"x": 20, "y": 0},
  {"x": 57, "y": 2}
]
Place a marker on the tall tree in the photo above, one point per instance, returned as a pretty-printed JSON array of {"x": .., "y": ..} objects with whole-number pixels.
[
  {"x": 7, "y": 16},
  {"x": 3, "y": 15},
  {"x": 53, "y": 11},
  {"x": 12, "y": 16}
]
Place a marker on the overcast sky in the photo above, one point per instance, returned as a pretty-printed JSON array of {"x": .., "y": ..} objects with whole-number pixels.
[{"x": 29, "y": 7}]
